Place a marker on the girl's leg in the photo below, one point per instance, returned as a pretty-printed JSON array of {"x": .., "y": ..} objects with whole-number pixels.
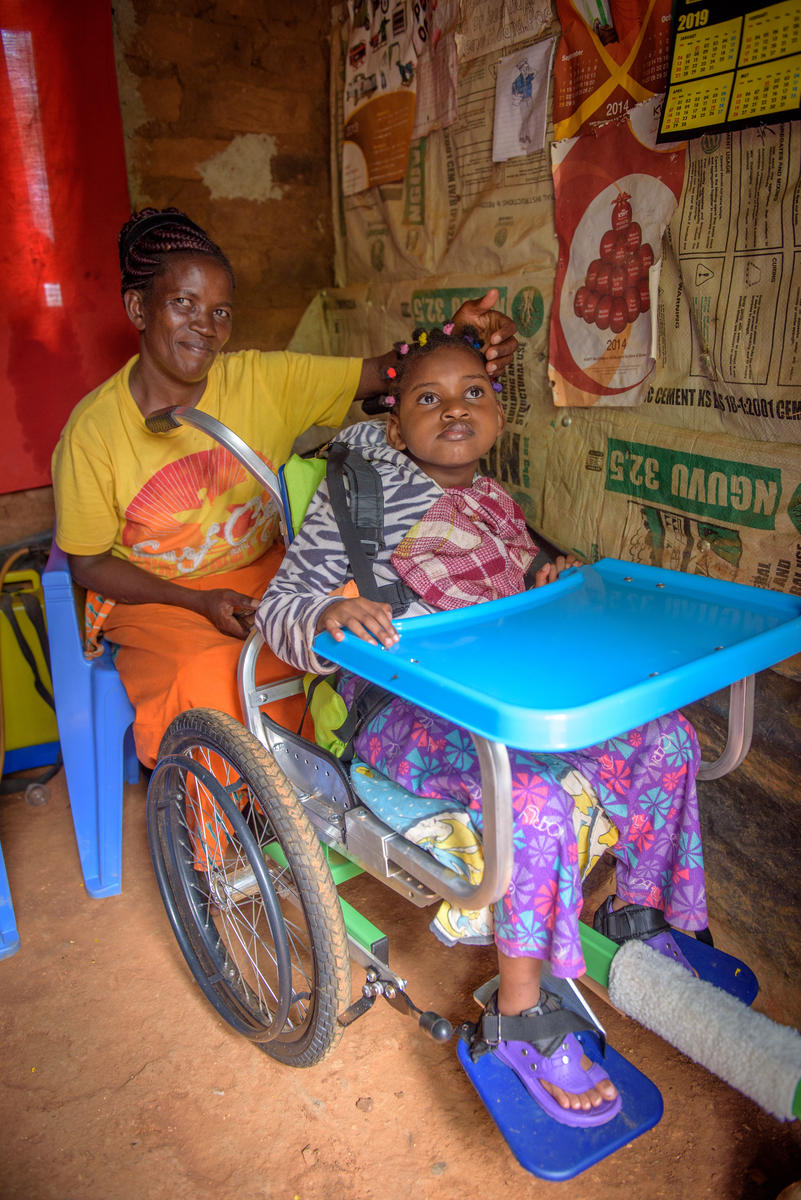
[
  {"x": 519, "y": 986},
  {"x": 538, "y": 916},
  {"x": 645, "y": 781}
]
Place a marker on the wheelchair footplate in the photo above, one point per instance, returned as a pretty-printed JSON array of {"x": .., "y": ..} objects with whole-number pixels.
[
  {"x": 723, "y": 970},
  {"x": 546, "y": 1147},
  {"x": 551, "y": 1150}
]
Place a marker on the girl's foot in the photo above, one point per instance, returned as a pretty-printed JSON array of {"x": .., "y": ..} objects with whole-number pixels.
[
  {"x": 541, "y": 1048},
  {"x": 623, "y": 922}
]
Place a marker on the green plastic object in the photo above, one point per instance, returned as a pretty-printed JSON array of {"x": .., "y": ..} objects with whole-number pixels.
[
  {"x": 598, "y": 953},
  {"x": 342, "y": 868},
  {"x": 368, "y": 935},
  {"x": 300, "y": 479}
]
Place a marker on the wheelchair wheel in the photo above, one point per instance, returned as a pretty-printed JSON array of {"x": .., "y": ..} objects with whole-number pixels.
[{"x": 247, "y": 888}]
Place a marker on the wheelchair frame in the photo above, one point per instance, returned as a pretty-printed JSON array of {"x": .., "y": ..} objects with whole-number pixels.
[{"x": 356, "y": 840}]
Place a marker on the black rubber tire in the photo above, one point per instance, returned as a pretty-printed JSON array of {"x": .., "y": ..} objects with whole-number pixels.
[{"x": 261, "y": 929}]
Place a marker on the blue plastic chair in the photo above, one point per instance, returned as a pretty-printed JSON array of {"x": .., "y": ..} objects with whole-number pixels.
[
  {"x": 9, "y": 938},
  {"x": 94, "y": 718}
]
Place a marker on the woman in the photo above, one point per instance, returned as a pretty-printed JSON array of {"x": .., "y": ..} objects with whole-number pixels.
[{"x": 173, "y": 541}]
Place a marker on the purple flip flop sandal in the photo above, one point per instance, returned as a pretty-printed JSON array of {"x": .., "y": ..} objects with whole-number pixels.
[
  {"x": 645, "y": 924},
  {"x": 540, "y": 1047},
  {"x": 562, "y": 1069}
]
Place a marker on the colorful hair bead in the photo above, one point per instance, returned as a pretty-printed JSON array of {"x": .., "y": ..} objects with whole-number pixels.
[
  {"x": 403, "y": 348},
  {"x": 388, "y": 401},
  {"x": 423, "y": 339},
  {"x": 390, "y": 373},
  {"x": 497, "y": 386},
  {"x": 448, "y": 328}
]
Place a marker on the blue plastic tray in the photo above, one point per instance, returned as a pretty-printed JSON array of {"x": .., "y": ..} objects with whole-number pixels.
[{"x": 604, "y": 648}]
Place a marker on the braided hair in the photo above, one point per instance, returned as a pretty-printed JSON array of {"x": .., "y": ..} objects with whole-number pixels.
[
  {"x": 151, "y": 235},
  {"x": 425, "y": 341}
]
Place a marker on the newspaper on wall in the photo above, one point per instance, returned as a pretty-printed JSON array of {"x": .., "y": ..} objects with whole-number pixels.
[
  {"x": 383, "y": 46},
  {"x": 455, "y": 209},
  {"x": 495, "y": 26}
]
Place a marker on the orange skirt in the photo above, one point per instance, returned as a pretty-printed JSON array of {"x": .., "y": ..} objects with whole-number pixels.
[{"x": 171, "y": 659}]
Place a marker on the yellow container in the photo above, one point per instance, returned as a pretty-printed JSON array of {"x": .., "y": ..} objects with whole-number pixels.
[{"x": 28, "y": 719}]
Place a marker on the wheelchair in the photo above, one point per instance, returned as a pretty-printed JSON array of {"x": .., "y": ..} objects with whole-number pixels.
[{"x": 253, "y": 827}]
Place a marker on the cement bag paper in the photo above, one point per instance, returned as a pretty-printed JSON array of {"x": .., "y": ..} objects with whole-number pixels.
[{"x": 729, "y": 316}]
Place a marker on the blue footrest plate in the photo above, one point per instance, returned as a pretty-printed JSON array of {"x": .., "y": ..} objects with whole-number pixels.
[
  {"x": 723, "y": 970},
  {"x": 545, "y": 1147}
]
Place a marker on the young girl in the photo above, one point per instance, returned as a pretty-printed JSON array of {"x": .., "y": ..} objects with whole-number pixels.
[{"x": 456, "y": 538}]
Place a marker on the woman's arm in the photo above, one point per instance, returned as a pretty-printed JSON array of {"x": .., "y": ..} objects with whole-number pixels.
[
  {"x": 497, "y": 330},
  {"x": 229, "y": 611}
]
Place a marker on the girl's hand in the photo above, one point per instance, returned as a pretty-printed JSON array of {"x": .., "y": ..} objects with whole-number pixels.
[
  {"x": 552, "y": 571},
  {"x": 370, "y": 621}
]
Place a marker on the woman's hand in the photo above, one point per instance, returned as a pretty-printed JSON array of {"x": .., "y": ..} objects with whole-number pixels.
[
  {"x": 496, "y": 329},
  {"x": 230, "y": 612},
  {"x": 551, "y": 571},
  {"x": 497, "y": 333},
  {"x": 369, "y": 620}
]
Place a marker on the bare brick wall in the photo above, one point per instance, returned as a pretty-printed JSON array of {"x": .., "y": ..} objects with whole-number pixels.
[{"x": 225, "y": 115}]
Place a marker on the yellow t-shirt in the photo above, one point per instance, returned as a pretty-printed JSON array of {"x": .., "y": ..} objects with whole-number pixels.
[{"x": 178, "y": 504}]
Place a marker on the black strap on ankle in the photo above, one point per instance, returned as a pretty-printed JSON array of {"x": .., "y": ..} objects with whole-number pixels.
[
  {"x": 630, "y": 922},
  {"x": 543, "y": 1030}
]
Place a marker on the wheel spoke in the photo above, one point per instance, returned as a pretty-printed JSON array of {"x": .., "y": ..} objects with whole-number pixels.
[{"x": 238, "y": 868}]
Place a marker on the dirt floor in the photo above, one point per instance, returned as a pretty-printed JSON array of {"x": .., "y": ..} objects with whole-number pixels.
[{"x": 121, "y": 1081}]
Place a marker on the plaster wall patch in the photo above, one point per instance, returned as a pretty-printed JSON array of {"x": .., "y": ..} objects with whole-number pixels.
[{"x": 242, "y": 171}]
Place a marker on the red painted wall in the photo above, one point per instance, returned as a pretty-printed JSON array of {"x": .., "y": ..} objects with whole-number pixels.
[{"x": 65, "y": 196}]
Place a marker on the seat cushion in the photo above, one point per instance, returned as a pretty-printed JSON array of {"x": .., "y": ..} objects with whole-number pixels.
[{"x": 445, "y": 830}]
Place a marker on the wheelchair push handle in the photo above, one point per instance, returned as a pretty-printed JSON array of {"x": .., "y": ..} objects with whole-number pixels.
[{"x": 166, "y": 419}]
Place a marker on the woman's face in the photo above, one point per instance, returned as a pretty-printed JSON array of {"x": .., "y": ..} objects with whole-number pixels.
[
  {"x": 447, "y": 416},
  {"x": 184, "y": 317}
]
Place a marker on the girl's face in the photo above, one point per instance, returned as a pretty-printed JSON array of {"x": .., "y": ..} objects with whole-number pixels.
[{"x": 447, "y": 416}]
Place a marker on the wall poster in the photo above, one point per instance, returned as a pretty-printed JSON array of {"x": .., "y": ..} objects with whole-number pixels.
[{"x": 731, "y": 65}]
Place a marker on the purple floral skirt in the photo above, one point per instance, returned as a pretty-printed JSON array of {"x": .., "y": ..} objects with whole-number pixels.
[{"x": 644, "y": 779}]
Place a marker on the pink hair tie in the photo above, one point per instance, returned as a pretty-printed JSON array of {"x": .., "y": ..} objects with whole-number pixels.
[
  {"x": 403, "y": 348},
  {"x": 448, "y": 329}
]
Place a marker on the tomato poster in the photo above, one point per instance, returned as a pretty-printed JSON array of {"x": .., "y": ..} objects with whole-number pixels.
[{"x": 614, "y": 194}]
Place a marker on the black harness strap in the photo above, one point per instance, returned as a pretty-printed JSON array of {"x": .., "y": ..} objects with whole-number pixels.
[
  {"x": 359, "y": 514},
  {"x": 366, "y": 704}
]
